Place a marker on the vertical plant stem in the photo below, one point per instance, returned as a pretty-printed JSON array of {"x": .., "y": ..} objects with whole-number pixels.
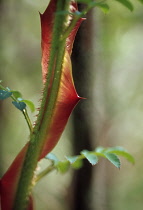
[{"x": 37, "y": 138}]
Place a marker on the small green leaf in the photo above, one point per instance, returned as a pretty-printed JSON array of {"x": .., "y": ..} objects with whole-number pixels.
[
  {"x": 63, "y": 166},
  {"x": 117, "y": 148},
  {"x": 113, "y": 159},
  {"x": 19, "y": 105},
  {"x": 122, "y": 152},
  {"x": 100, "y": 149},
  {"x": 52, "y": 157},
  {"x": 4, "y": 94},
  {"x": 104, "y": 7},
  {"x": 75, "y": 161},
  {"x": 77, "y": 164},
  {"x": 16, "y": 94},
  {"x": 30, "y": 104},
  {"x": 127, "y": 4},
  {"x": 72, "y": 159},
  {"x": 90, "y": 156}
]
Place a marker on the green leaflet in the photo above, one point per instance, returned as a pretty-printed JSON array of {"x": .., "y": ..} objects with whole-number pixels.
[
  {"x": 75, "y": 161},
  {"x": 16, "y": 94},
  {"x": 113, "y": 159},
  {"x": 77, "y": 164},
  {"x": 30, "y": 104},
  {"x": 121, "y": 152},
  {"x": 63, "y": 166},
  {"x": 72, "y": 159},
  {"x": 19, "y": 105},
  {"x": 127, "y": 4},
  {"x": 4, "y": 94},
  {"x": 91, "y": 4},
  {"x": 90, "y": 156},
  {"x": 112, "y": 154},
  {"x": 52, "y": 157},
  {"x": 104, "y": 7}
]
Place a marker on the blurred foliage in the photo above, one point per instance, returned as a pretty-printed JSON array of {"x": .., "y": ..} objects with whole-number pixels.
[
  {"x": 92, "y": 157},
  {"x": 119, "y": 102},
  {"x": 117, "y": 98}
]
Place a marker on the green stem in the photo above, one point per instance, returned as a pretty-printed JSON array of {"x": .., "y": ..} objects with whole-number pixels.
[
  {"x": 44, "y": 173},
  {"x": 27, "y": 120},
  {"x": 37, "y": 138}
]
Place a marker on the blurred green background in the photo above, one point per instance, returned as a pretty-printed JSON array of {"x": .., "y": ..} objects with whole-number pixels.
[{"x": 114, "y": 106}]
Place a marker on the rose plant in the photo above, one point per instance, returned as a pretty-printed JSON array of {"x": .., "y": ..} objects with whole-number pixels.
[{"x": 59, "y": 25}]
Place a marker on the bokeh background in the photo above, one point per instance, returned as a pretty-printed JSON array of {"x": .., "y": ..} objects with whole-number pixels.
[{"x": 108, "y": 71}]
